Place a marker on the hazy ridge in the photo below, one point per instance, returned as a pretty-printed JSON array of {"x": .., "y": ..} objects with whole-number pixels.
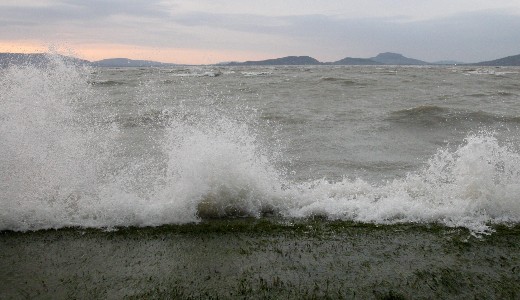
[{"x": 386, "y": 58}]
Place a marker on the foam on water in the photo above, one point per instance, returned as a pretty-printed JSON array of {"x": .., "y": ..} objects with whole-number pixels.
[
  {"x": 53, "y": 170},
  {"x": 474, "y": 186},
  {"x": 215, "y": 169}
]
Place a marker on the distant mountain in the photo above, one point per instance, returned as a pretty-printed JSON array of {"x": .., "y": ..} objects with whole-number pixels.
[
  {"x": 381, "y": 59},
  {"x": 38, "y": 59},
  {"x": 389, "y": 58},
  {"x": 355, "y": 61},
  {"x": 288, "y": 61},
  {"x": 225, "y": 63},
  {"x": 125, "y": 62},
  {"x": 41, "y": 59},
  {"x": 506, "y": 61}
]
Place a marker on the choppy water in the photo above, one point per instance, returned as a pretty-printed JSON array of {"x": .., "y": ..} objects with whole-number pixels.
[{"x": 143, "y": 147}]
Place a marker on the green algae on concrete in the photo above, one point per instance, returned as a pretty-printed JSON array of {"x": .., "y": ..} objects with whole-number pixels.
[{"x": 262, "y": 259}]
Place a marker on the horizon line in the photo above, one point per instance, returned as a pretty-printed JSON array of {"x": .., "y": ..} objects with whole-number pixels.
[
  {"x": 77, "y": 56},
  {"x": 73, "y": 55}
]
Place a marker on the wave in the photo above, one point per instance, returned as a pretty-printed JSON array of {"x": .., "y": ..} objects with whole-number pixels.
[
  {"x": 191, "y": 73},
  {"x": 283, "y": 118},
  {"x": 48, "y": 159},
  {"x": 474, "y": 186},
  {"x": 343, "y": 81},
  {"x": 255, "y": 74},
  {"x": 431, "y": 115},
  {"x": 106, "y": 82},
  {"x": 54, "y": 170},
  {"x": 499, "y": 94},
  {"x": 489, "y": 71}
]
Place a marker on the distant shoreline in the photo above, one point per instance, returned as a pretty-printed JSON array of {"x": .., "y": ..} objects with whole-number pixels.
[{"x": 386, "y": 58}]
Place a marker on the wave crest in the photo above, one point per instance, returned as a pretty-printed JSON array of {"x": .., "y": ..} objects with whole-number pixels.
[
  {"x": 474, "y": 186},
  {"x": 431, "y": 115}
]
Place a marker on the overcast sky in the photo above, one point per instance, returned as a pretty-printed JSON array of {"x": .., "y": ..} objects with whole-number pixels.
[{"x": 211, "y": 31}]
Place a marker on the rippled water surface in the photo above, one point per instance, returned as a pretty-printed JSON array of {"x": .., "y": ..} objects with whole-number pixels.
[{"x": 137, "y": 147}]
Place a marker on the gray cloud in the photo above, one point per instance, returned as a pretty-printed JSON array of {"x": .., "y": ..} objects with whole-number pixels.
[
  {"x": 468, "y": 37},
  {"x": 92, "y": 10}
]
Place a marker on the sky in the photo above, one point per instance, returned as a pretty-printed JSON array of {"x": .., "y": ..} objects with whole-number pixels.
[{"x": 212, "y": 31}]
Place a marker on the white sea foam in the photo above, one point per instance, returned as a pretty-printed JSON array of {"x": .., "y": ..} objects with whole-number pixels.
[
  {"x": 253, "y": 74},
  {"x": 476, "y": 185},
  {"x": 490, "y": 71},
  {"x": 203, "y": 74},
  {"x": 53, "y": 170},
  {"x": 221, "y": 171}
]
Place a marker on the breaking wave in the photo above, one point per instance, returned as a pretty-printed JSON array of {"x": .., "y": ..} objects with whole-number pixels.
[
  {"x": 55, "y": 168},
  {"x": 473, "y": 186}
]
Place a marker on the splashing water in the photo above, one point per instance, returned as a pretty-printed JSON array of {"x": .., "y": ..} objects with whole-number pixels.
[
  {"x": 44, "y": 160},
  {"x": 473, "y": 186},
  {"x": 54, "y": 170}
]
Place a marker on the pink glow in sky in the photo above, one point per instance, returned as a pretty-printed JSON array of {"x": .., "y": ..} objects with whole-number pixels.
[{"x": 205, "y": 32}]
